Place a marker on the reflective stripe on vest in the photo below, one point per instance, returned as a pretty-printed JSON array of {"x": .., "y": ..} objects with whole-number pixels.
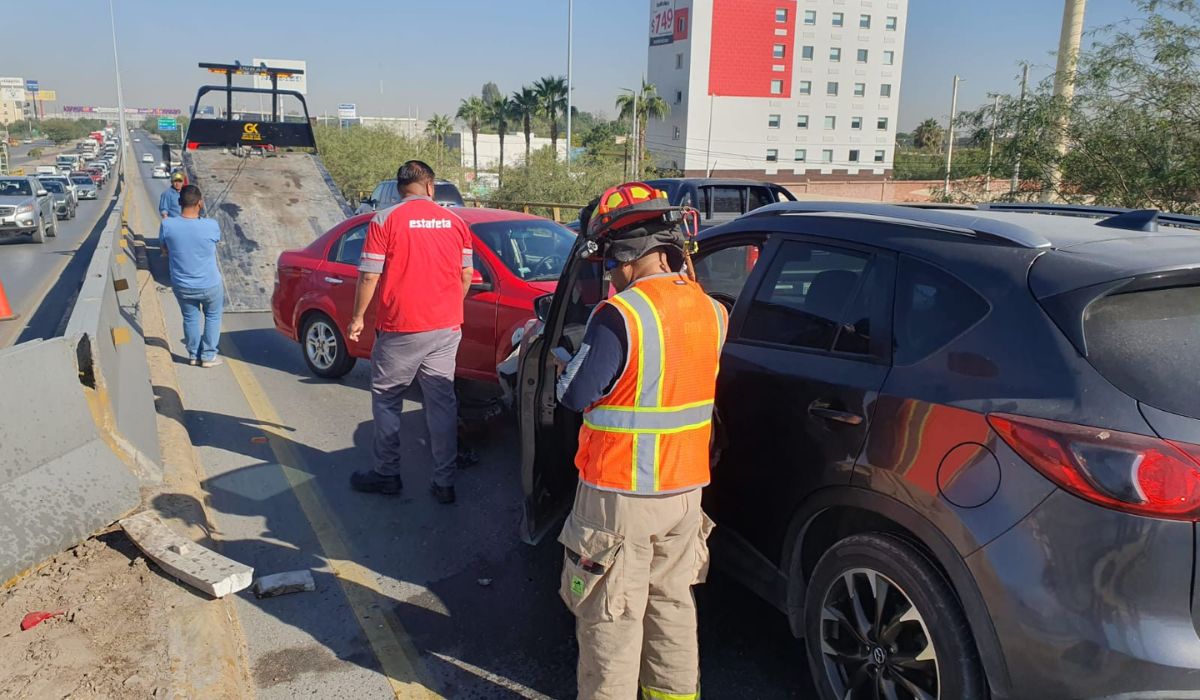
[{"x": 642, "y": 419}]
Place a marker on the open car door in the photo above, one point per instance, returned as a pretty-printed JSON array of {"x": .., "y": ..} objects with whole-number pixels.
[
  {"x": 225, "y": 130},
  {"x": 549, "y": 432}
]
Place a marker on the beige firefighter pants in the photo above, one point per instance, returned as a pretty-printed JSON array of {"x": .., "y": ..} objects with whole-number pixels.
[{"x": 628, "y": 569}]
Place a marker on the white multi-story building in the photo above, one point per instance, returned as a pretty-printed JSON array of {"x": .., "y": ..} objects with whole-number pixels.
[{"x": 787, "y": 90}]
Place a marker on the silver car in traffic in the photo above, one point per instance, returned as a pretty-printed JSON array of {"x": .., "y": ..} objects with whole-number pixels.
[{"x": 26, "y": 209}]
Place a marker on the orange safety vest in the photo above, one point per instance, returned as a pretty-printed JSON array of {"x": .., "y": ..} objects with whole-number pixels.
[{"x": 650, "y": 433}]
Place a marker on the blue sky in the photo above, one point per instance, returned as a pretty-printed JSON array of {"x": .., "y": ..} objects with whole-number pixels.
[{"x": 429, "y": 54}]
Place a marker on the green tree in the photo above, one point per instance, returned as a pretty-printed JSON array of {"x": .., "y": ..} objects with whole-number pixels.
[
  {"x": 499, "y": 112},
  {"x": 928, "y": 135},
  {"x": 472, "y": 111},
  {"x": 649, "y": 106},
  {"x": 438, "y": 128},
  {"x": 526, "y": 104},
  {"x": 552, "y": 91},
  {"x": 358, "y": 158},
  {"x": 548, "y": 180}
]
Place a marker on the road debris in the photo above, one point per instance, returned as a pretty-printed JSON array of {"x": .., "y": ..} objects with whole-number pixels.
[
  {"x": 284, "y": 583},
  {"x": 34, "y": 619},
  {"x": 191, "y": 563}
]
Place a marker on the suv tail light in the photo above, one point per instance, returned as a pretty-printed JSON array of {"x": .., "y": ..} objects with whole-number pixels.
[{"x": 1123, "y": 471}]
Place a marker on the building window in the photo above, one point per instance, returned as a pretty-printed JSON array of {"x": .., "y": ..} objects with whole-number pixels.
[
  {"x": 835, "y": 54},
  {"x": 879, "y": 156},
  {"x": 853, "y": 155},
  {"x": 678, "y": 61},
  {"x": 806, "y": 53},
  {"x": 839, "y": 19},
  {"x": 805, "y": 87},
  {"x": 781, "y": 15},
  {"x": 801, "y": 121},
  {"x": 772, "y": 121},
  {"x": 862, "y": 55},
  {"x": 827, "y": 155},
  {"x": 778, "y": 51},
  {"x": 830, "y": 122},
  {"x": 810, "y": 17},
  {"x": 881, "y": 124},
  {"x": 679, "y": 97},
  {"x": 676, "y": 135},
  {"x": 776, "y": 87},
  {"x": 889, "y": 57},
  {"x": 864, "y": 21},
  {"x": 885, "y": 90},
  {"x": 831, "y": 89},
  {"x": 860, "y": 89},
  {"x": 772, "y": 155},
  {"x": 801, "y": 155},
  {"x": 890, "y": 24},
  {"x": 856, "y": 122}
]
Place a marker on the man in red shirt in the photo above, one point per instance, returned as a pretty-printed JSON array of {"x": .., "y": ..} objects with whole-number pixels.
[{"x": 417, "y": 258}]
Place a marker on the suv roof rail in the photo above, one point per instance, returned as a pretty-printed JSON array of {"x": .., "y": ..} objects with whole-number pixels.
[
  {"x": 1106, "y": 213},
  {"x": 954, "y": 218},
  {"x": 1137, "y": 220}
]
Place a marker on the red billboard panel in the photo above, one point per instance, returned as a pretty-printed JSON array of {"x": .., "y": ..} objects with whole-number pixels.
[{"x": 745, "y": 34}]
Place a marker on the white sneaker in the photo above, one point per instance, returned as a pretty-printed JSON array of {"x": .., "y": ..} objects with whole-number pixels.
[{"x": 215, "y": 362}]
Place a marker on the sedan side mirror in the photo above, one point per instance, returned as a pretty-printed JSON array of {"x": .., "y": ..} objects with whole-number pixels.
[
  {"x": 42, "y": 193},
  {"x": 541, "y": 307},
  {"x": 478, "y": 284}
]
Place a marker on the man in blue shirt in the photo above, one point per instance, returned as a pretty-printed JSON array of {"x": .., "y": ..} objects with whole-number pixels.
[
  {"x": 168, "y": 201},
  {"x": 190, "y": 243}
]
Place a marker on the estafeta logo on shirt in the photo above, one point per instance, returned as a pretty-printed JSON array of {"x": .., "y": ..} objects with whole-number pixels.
[{"x": 429, "y": 223}]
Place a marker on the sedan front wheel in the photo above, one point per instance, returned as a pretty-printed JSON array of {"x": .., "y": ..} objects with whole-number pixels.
[{"x": 325, "y": 350}]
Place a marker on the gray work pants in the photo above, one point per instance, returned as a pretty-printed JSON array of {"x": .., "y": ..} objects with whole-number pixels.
[{"x": 429, "y": 357}]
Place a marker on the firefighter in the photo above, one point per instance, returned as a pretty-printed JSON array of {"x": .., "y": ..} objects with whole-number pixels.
[{"x": 644, "y": 378}]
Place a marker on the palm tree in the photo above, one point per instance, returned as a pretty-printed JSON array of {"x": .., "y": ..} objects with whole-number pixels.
[
  {"x": 928, "y": 135},
  {"x": 526, "y": 105},
  {"x": 499, "y": 111},
  {"x": 438, "y": 128},
  {"x": 552, "y": 92},
  {"x": 649, "y": 106},
  {"x": 473, "y": 112}
]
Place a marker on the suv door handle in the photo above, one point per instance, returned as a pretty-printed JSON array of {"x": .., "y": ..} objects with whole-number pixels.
[
  {"x": 821, "y": 409},
  {"x": 334, "y": 280}
]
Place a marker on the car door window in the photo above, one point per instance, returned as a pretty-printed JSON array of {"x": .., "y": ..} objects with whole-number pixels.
[
  {"x": 349, "y": 247},
  {"x": 724, "y": 272},
  {"x": 806, "y": 295},
  {"x": 726, "y": 200},
  {"x": 760, "y": 197},
  {"x": 480, "y": 266},
  {"x": 377, "y": 195},
  {"x": 932, "y": 308}
]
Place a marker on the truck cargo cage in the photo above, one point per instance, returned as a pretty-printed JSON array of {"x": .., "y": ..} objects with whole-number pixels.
[{"x": 227, "y": 132}]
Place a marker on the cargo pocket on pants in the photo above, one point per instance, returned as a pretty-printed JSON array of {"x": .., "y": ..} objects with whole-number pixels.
[
  {"x": 589, "y": 555},
  {"x": 706, "y": 528}
]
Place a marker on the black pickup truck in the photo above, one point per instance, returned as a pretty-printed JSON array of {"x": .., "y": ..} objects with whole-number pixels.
[{"x": 717, "y": 199}]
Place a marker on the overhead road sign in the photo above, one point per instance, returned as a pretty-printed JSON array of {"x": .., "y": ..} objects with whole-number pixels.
[
  {"x": 31, "y": 86},
  {"x": 347, "y": 110},
  {"x": 167, "y": 124},
  {"x": 297, "y": 80}
]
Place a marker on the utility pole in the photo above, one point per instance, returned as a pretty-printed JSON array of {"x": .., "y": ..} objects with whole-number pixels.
[
  {"x": 987, "y": 187},
  {"x": 1064, "y": 83},
  {"x": 708, "y": 145},
  {"x": 117, "y": 65},
  {"x": 637, "y": 141},
  {"x": 950, "y": 131},
  {"x": 570, "y": 26},
  {"x": 1016, "y": 176}
]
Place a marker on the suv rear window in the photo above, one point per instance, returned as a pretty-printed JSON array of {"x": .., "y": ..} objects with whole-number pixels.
[{"x": 1146, "y": 344}]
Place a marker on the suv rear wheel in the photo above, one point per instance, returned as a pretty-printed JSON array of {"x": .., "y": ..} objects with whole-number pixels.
[
  {"x": 325, "y": 350},
  {"x": 39, "y": 233},
  {"x": 882, "y": 622}
]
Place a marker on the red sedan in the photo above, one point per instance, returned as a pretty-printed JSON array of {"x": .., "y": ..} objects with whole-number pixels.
[{"x": 518, "y": 258}]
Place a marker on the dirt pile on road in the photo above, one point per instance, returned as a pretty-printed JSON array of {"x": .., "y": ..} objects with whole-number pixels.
[{"x": 111, "y": 640}]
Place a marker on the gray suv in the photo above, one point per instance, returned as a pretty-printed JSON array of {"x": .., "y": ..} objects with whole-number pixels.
[
  {"x": 64, "y": 203},
  {"x": 26, "y": 209},
  {"x": 958, "y": 449}
]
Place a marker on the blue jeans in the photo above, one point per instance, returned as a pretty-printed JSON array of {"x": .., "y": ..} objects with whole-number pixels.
[{"x": 193, "y": 303}]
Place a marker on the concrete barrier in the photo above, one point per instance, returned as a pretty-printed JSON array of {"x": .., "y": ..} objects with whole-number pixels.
[
  {"x": 60, "y": 478},
  {"x": 107, "y": 319}
]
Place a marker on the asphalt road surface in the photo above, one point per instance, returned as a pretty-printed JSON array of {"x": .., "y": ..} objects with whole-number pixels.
[
  {"x": 446, "y": 598},
  {"x": 41, "y": 279}
]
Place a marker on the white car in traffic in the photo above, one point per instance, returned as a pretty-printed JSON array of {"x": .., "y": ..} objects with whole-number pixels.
[
  {"x": 159, "y": 172},
  {"x": 147, "y": 158}
]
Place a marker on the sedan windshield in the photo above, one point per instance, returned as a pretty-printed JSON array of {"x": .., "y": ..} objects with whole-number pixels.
[
  {"x": 9, "y": 188},
  {"x": 82, "y": 181},
  {"x": 534, "y": 250},
  {"x": 53, "y": 186}
]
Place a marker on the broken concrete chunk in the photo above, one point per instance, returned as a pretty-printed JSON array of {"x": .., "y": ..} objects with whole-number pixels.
[
  {"x": 283, "y": 583},
  {"x": 197, "y": 566}
]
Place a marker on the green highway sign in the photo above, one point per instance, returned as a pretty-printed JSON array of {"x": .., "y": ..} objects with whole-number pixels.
[{"x": 167, "y": 124}]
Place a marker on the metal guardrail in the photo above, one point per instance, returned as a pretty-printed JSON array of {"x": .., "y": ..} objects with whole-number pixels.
[
  {"x": 79, "y": 436},
  {"x": 556, "y": 210}
]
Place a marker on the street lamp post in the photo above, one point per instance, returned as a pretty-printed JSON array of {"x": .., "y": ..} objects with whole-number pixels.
[
  {"x": 950, "y": 132},
  {"x": 117, "y": 64},
  {"x": 636, "y": 146},
  {"x": 570, "y": 24}
]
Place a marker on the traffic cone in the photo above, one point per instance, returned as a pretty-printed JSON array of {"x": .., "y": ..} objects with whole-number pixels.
[{"x": 6, "y": 312}]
